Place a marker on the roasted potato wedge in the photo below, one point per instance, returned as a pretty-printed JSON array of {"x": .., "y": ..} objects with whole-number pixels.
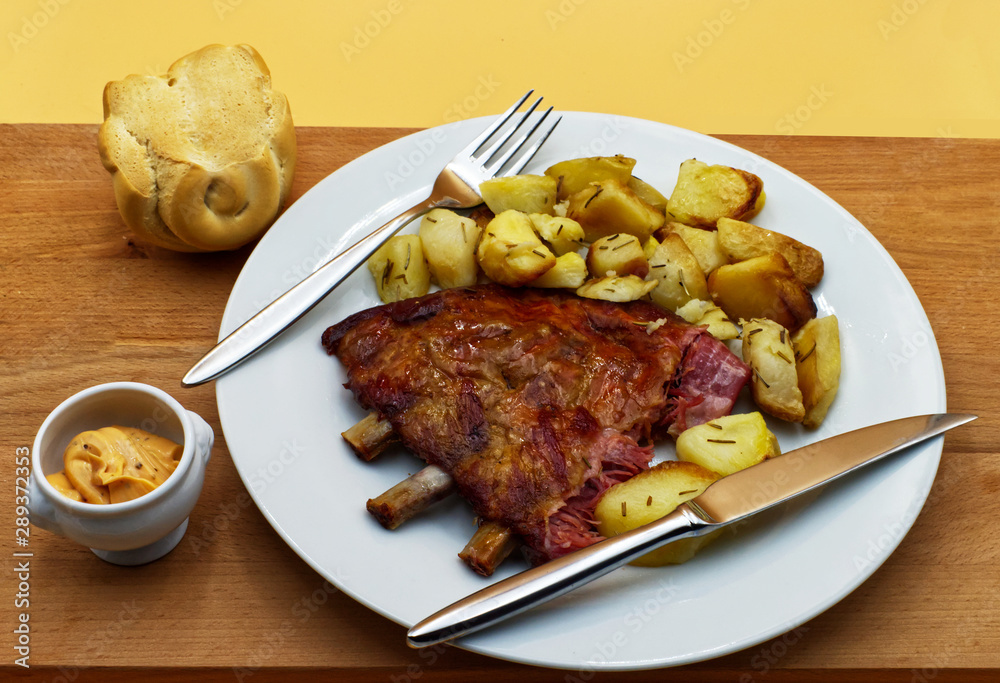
[
  {"x": 649, "y": 247},
  {"x": 616, "y": 288},
  {"x": 704, "y": 244},
  {"x": 762, "y": 287},
  {"x": 774, "y": 382},
  {"x": 817, "y": 354},
  {"x": 677, "y": 271},
  {"x": 610, "y": 207},
  {"x": 741, "y": 241},
  {"x": 619, "y": 254},
  {"x": 704, "y": 194},
  {"x": 574, "y": 175},
  {"x": 570, "y": 272},
  {"x": 648, "y": 194},
  {"x": 527, "y": 193},
  {"x": 399, "y": 269},
  {"x": 728, "y": 444},
  {"x": 510, "y": 252},
  {"x": 647, "y": 497},
  {"x": 449, "y": 243},
  {"x": 563, "y": 235},
  {"x": 698, "y": 312}
]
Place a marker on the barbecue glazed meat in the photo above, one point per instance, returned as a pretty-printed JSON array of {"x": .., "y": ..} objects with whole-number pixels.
[{"x": 534, "y": 401}]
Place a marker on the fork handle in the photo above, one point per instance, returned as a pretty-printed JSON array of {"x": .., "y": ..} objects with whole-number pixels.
[{"x": 276, "y": 317}]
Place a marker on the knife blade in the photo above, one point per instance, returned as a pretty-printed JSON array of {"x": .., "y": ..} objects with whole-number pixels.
[{"x": 728, "y": 500}]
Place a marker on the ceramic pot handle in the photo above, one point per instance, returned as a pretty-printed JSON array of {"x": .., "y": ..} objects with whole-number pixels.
[
  {"x": 204, "y": 436},
  {"x": 40, "y": 509}
]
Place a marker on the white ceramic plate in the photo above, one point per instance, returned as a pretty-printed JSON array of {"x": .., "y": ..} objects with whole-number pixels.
[{"x": 284, "y": 410}]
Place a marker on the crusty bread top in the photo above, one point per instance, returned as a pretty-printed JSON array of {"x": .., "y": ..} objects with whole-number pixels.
[{"x": 202, "y": 156}]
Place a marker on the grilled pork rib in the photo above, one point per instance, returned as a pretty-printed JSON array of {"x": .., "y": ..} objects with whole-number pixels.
[{"x": 534, "y": 401}]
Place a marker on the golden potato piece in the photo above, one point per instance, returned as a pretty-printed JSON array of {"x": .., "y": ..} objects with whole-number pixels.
[
  {"x": 762, "y": 287},
  {"x": 399, "y": 269},
  {"x": 562, "y": 234},
  {"x": 649, "y": 248},
  {"x": 728, "y": 444},
  {"x": 510, "y": 252},
  {"x": 774, "y": 381},
  {"x": 698, "y": 312},
  {"x": 574, "y": 175},
  {"x": 610, "y": 207},
  {"x": 527, "y": 193},
  {"x": 757, "y": 206},
  {"x": 648, "y": 194},
  {"x": 741, "y": 241},
  {"x": 615, "y": 288},
  {"x": 817, "y": 352},
  {"x": 449, "y": 243},
  {"x": 570, "y": 272},
  {"x": 619, "y": 254},
  {"x": 704, "y": 194},
  {"x": 704, "y": 244},
  {"x": 647, "y": 497},
  {"x": 677, "y": 271},
  {"x": 693, "y": 310}
]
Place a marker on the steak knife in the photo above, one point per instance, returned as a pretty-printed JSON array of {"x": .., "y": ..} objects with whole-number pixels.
[{"x": 728, "y": 500}]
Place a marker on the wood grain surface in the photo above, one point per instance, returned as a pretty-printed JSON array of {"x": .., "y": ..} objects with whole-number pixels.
[{"x": 82, "y": 303}]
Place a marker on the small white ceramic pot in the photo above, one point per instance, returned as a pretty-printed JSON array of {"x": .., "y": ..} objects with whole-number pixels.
[{"x": 136, "y": 531}]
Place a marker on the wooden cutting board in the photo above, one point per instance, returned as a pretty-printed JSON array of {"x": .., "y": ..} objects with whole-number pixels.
[{"x": 82, "y": 303}]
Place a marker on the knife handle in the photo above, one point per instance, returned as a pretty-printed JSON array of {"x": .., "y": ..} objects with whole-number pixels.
[
  {"x": 276, "y": 317},
  {"x": 530, "y": 588}
]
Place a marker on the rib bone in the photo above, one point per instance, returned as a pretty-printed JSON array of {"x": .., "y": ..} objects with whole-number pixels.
[
  {"x": 370, "y": 436},
  {"x": 488, "y": 547},
  {"x": 410, "y": 496}
]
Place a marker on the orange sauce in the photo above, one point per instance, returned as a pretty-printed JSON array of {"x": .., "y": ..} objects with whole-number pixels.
[{"x": 115, "y": 464}]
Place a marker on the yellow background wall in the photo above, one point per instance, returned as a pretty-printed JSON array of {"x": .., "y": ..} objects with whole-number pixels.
[{"x": 844, "y": 67}]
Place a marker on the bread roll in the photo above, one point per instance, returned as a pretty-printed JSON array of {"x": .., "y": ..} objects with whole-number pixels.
[{"x": 202, "y": 157}]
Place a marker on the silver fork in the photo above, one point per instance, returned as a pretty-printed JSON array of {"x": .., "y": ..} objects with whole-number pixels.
[{"x": 456, "y": 187}]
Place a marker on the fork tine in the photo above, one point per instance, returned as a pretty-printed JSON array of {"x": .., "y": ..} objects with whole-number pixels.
[
  {"x": 474, "y": 146},
  {"x": 516, "y": 146},
  {"x": 530, "y": 152},
  {"x": 488, "y": 155}
]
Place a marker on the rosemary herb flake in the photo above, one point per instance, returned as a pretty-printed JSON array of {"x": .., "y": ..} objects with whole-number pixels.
[
  {"x": 802, "y": 360},
  {"x": 593, "y": 197}
]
